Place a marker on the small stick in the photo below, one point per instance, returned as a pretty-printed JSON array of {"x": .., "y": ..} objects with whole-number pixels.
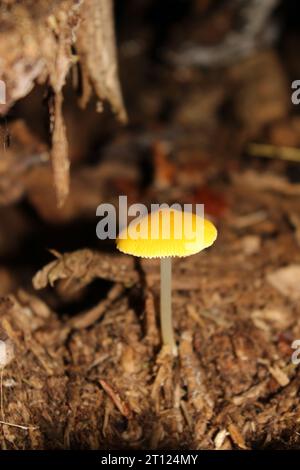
[
  {"x": 116, "y": 399},
  {"x": 26, "y": 428},
  {"x": 291, "y": 154},
  {"x": 87, "y": 318}
]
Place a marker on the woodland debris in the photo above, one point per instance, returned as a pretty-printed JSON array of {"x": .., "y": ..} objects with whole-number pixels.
[
  {"x": 290, "y": 154},
  {"x": 81, "y": 267},
  {"x": 34, "y": 362},
  {"x": 195, "y": 316},
  {"x": 128, "y": 360},
  {"x": 220, "y": 438},
  {"x": 193, "y": 375},
  {"x": 279, "y": 375},
  {"x": 20, "y": 426},
  {"x": 251, "y": 244},
  {"x": 287, "y": 281},
  {"x": 115, "y": 397},
  {"x": 43, "y": 36},
  {"x": 279, "y": 318},
  {"x": 198, "y": 394},
  {"x": 86, "y": 319},
  {"x": 236, "y": 436},
  {"x": 246, "y": 221},
  {"x": 97, "y": 53},
  {"x": 164, "y": 380},
  {"x": 266, "y": 182},
  {"x": 253, "y": 394}
]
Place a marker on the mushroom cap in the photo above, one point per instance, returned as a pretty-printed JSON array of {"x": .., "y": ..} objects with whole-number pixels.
[{"x": 167, "y": 232}]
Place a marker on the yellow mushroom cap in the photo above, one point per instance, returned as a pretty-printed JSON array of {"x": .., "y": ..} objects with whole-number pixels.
[{"x": 167, "y": 232}]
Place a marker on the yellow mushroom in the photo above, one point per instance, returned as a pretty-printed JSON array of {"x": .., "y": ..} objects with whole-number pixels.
[{"x": 164, "y": 234}]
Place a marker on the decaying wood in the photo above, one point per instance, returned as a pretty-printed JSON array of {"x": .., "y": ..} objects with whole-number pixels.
[
  {"x": 97, "y": 53},
  {"x": 36, "y": 41},
  {"x": 122, "y": 407},
  {"x": 198, "y": 394},
  {"x": 81, "y": 267},
  {"x": 59, "y": 152}
]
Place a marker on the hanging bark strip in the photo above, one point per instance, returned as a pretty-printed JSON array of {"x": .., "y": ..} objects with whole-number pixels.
[
  {"x": 59, "y": 152},
  {"x": 96, "y": 45}
]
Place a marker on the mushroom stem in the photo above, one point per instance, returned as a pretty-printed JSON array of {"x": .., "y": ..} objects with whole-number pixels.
[{"x": 165, "y": 304}]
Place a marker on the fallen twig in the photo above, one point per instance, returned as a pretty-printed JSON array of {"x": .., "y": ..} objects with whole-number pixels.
[
  {"x": 115, "y": 397},
  {"x": 86, "y": 319},
  {"x": 26, "y": 428},
  {"x": 290, "y": 154}
]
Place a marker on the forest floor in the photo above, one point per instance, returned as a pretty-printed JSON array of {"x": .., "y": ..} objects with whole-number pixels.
[
  {"x": 87, "y": 368},
  {"x": 99, "y": 378}
]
